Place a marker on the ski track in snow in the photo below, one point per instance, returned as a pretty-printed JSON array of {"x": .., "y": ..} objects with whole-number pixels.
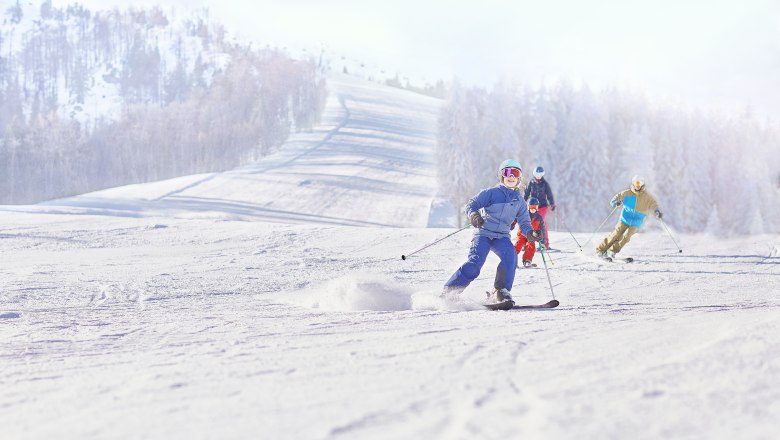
[{"x": 281, "y": 319}]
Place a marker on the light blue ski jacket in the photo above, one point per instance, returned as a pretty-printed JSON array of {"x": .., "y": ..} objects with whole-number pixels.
[{"x": 636, "y": 206}]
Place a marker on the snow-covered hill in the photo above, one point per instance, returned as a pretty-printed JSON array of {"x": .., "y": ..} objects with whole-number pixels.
[
  {"x": 94, "y": 100},
  {"x": 271, "y": 302},
  {"x": 369, "y": 164}
]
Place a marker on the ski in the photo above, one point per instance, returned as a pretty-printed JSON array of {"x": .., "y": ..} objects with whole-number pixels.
[
  {"x": 503, "y": 305},
  {"x": 548, "y": 305},
  {"x": 612, "y": 260}
]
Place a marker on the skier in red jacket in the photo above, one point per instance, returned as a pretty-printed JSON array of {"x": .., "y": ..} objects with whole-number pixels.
[{"x": 537, "y": 222}]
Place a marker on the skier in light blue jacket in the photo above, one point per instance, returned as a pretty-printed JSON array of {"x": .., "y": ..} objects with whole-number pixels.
[
  {"x": 493, "y": 213},
  {"x": 637, "y": 203}
]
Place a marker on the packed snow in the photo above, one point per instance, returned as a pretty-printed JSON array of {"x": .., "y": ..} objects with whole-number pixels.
[{"x": 271, "y": 302}]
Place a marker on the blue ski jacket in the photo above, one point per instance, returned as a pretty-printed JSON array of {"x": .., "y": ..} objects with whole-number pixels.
[
  {"x": 502, "y": 206},
  {"x": 541, "y": 190}
]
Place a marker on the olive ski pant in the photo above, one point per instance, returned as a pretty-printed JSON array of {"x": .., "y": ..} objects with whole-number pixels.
[{"x": 618, "y": 238}]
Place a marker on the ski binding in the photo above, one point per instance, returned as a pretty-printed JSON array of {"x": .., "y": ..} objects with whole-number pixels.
[{"x": 503, "y": 305}]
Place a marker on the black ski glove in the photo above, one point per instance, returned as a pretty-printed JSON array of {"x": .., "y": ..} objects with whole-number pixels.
[
  {"x": 533, "y": 235},
  {"x": 476, "y": 219},
  {"x": 658, "y": 214}
]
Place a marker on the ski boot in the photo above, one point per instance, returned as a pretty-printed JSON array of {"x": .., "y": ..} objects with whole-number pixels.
[{"x": 499, "y": 295}]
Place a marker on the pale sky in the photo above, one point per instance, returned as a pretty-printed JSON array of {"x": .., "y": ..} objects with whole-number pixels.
[{"x": 711, "y": 53}]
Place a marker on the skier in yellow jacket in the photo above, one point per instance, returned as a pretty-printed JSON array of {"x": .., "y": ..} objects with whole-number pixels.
[{"x": 637, "y": 202}]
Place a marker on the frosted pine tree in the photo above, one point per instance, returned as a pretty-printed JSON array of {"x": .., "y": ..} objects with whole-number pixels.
[
  {"x": 697, "y": 177},
  {"x": 670, "y": 170},
  {"x": 589, "y": 120}
]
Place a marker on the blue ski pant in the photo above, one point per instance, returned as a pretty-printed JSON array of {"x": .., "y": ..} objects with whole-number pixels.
[{"x": 480, "y": 246}]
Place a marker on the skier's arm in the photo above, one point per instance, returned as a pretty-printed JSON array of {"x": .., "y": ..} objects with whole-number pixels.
[
  {"x": 653, "y": 203},
  {"x": 478, "y": 202},
  {"x": 617, "y": 200},
  {"x": 527, "y": 192},
  {"x": 524, "y": 220},
  {"x": 655, "y": 207},
  {"x": 550, "y": 198},
  {"x": 532, "y": 234},
  {"x": 474, "y": 205}
]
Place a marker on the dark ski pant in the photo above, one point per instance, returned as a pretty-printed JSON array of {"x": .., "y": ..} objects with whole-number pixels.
[
  {"x": 618, "y": 238},
  {"x": 480, "y": 246}
]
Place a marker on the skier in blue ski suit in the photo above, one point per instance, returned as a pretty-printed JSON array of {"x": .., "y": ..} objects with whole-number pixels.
[{"x": 502, "y": 205}]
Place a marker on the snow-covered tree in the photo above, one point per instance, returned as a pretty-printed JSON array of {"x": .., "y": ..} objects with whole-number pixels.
[
  {"x": 89, "y": 101},
  {"x": 710, "y": 172}
]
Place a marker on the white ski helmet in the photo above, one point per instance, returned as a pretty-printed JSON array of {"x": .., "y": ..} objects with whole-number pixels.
[
  {"x": 539, "y": 172},
  {"x": 638, "y": 180}
]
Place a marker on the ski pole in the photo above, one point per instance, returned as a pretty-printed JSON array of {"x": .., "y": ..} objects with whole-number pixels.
[
  {"x": 552, "y": 263},
  {"x": 541, "y": 251},
  {"x": 602, "y": 224},
  {"x": 567, "y": 229},
  {"x": 404, "y": 257},
  {"x": 542, "y": 248},
  {"x": 670, "y": 234}
]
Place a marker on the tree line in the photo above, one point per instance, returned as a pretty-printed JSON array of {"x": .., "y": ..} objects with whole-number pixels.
[
  {"x": 95, "y": 100},
  {"x": 711, "y": 172}
]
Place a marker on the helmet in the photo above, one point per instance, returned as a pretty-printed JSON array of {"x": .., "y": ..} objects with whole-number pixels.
[
  {"x": 509, "y": 163},
  {"x": 533, "y": 201},
  {"x": 539, "y": 172},
  {"x": 638, "y": 180}
]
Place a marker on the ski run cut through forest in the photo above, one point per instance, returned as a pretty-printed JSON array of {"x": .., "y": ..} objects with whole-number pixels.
[{"x": 271, "y": 301}]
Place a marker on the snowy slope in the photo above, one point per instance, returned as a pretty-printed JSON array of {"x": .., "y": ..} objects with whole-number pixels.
[
  {"x": 148, "y": 312},
  {"x": 372, "y": 158}
]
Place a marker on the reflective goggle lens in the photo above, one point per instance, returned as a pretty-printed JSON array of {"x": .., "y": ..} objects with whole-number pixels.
[
  {"x": 511, "y": 172},
  {"x": 533, "y": 207}
]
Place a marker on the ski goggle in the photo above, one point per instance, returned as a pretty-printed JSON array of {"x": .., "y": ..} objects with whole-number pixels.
[
  {"x": 506, "y": 172},
  {"x": 638, "y": 183},
  {"x": 533, "y": 207}
]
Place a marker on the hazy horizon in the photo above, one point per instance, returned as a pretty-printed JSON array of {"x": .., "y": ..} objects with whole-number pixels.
[{"x": 717, "y": 55}]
